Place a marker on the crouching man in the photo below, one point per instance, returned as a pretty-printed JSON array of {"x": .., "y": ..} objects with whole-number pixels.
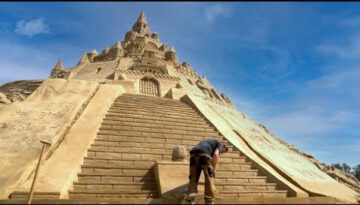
[{"x": 203, "y": 157}]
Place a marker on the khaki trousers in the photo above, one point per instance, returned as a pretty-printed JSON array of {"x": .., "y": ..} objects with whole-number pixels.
[{"x": 201, "y": 162}]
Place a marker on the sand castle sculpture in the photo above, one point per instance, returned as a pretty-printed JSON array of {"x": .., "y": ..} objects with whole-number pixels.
[{"x": 114, "y": 119}]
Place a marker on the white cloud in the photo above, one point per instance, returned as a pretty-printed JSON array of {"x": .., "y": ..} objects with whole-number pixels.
[
  {"x": 278, "y": 67},
  {"x": 32, "y": 27},
  {"x": 321, "y": 132},
  {"x": 322, "y": 105},
  {"x": 246, "y": 105},
  {"x": 27, "y": 61},
  {"x": 216, "y": 10},
  {"x": 350, "y": 50},
  {"x": 343, "y": 81},
  {"x": 309, "y": 123},
  {"x": 35, "y": 63},
  {"x": 352, "y": 22},
  {"x": 4, "y": 27}
]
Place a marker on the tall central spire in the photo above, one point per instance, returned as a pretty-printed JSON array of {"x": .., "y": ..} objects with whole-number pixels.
[
  {"x": 142, "y": 18},
  {"x": 141, "y": 25}
]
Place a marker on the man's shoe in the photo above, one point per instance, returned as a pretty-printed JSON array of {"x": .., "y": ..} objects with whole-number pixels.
[
  {"x": 190, "y": 202},
  {"x": 209, "y": 201}
]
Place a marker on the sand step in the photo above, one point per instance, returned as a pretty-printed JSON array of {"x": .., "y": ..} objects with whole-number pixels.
[
  {"x": 136, "y": 146},
  {"x": 153, "y": 109},
  {"x": 145, "y": 156},
  {"x": 126, "y": 106},
  {"x": 221, "y": 160},
  {"x": 172, "y": 114},
  {"x": 118, "y": 163},
  {"x": 161, "y": 151},
  {"x": 90, "y": 178},
  {"x": 148, "y": 99},
  {"x": 122, "y": 143},
  {"x": 147, "y": 119},
  {"x": 156, "y": 138},
  {"x": 156, "y": 117},
  {"x": 117, "y": 172},
  {"x": 116, "y": 178},
  {"x": 140, "y": 150},
  {"x": 179, "y": 122},
  {"x": 130, "y": 156},
  {"x": 144, "y": 115},
  {"x": 240, "y": 180},
  {"x": 169, "y": 130},
  {"x": 112, "y": 145},
  {"x": 165, "y": 105},
  {"x": 119, "y": 143},
  {"x": 119, "y": 188},
  {"x": 245, "y": 187},
  {"x": 140, "y": 102},
  {"x": 157, "y": 133},
  {"x": 253, "y": 193},
  {"x": 152, "y": 123},
  {"x": 240, "y": 159},
  {"x": 112, "y": 195},
  {"x": 137, "y": 100},
  {"x": 145, "y": 163},
  {"x": 155, "y": 101},
  {"x": 164, "y": 128},
  {"x": 131, "y": 166},
  {"x": 36, "y": 195},
  {"x": 120, "y": 185},
  {"x": 176, "y": 105},
  {"x": 229, "y": 157},
  {"x": 98, "y": 179},
  {"x": 200, "y": 200},
  {"x": 235, "y": 174}
]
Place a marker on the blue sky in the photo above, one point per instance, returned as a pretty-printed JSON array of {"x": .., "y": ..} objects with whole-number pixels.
[{"x": 294, "y": 67}]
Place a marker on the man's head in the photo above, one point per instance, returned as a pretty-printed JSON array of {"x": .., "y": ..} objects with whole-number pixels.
[{"x": 223, "y": 148}]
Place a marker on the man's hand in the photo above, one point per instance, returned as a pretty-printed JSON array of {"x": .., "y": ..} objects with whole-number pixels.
[{"x": 211, "y": 172}]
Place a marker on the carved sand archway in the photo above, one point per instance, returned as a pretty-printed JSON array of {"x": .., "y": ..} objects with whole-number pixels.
[{"x": 148, "y": 86}]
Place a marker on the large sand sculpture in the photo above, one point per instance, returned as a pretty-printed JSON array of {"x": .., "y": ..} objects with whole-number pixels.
[{"x": 76, "y": 110}]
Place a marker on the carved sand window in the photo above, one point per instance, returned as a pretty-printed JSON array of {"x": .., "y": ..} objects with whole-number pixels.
[
  {"x": 215, "y": 94},
  {"x": 190, "y": 82},
  {"x": 152, "y": 45},
  {"x": 149, "y": 87},
  {"x": 206, "y": 92}
]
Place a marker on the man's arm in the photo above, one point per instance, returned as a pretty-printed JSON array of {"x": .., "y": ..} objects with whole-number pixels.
[{"x": 215, "y": 159}]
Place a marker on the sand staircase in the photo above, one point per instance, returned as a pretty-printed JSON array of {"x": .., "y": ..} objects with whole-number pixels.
[{"x": 137, "y": 131}]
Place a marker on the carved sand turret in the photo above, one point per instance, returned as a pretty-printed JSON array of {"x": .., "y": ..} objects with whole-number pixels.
[
  {"x": 58, "y": 71},
  {"x": 84, "y": 59},
  {"x": 58, "y": 65},
  {"x": 141, "y": 25}
]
